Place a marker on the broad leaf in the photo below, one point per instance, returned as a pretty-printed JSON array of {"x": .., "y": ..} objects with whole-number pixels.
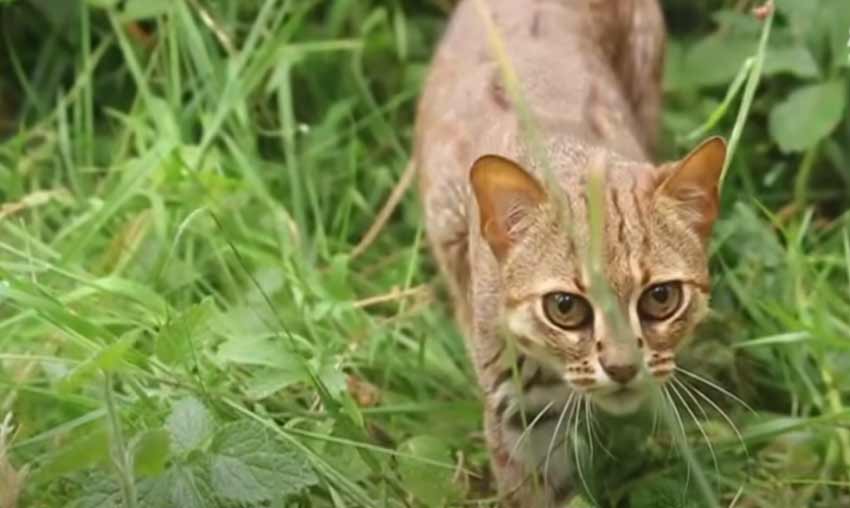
[
  {"x": 808, "y": 115},
  {"x": 266, "y": 382},
  {"x": 249, "y": 465},
  {"x": 796, "y": 60},
  {"x": 190, "y": 425},
  {"x": 716, "y": 59},
  {"x": 151, "y": 452},
  {"x": 100, "y": 491},
  {"x": 190, "y": 489},
  {"x": 175, "y": 340},
  {"x": 432, "y": 481},
  {"x": 267, "y": 351}
]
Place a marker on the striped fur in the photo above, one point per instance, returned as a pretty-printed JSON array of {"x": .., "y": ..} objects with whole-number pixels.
[{"x": 590, "y": 76}]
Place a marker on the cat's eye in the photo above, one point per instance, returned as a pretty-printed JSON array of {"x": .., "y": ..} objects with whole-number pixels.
[
  {"x": 660, "y": 301},
  {"x": 567, "y": 311}
]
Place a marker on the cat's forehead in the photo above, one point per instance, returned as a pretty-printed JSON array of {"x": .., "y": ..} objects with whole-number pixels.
[{"x": 638, "y": 244}]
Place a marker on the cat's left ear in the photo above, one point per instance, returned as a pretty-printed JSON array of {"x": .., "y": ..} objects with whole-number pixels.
[
  {"x": 694, "y": 184},
  {"x": 506, "y": 194}
]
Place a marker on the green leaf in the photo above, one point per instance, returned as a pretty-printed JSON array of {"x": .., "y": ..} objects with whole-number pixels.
[
  {"x": 837, "y": 13},
  {"x": 99, "y": 491},
  {"x": 107, "y": 358},
  {"x": 808, "y": 115},
  {"x": 716, "y": 59},
  {"x": 796, "y": 60},
  {"x": 249, "y": 465},
  {"x": 174, "y": 342},
  {"x": 266, "y": 382},
  {"x": 180, "y": 486},
  {"x": 190, "y": 425},
  {"x": 151, "y": 452},
  {"x": 430, "y": 483},
  {"x": 155, "y": 491},
  {"x": 266, "y": 351},
  {"x": 190, "y": 488},
  {"x": 801, "y": 15},
  {"x": 234, "y": 480},
  {"x": 77, "y": 455}
]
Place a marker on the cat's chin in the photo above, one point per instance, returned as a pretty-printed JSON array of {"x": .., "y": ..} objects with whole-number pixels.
[{"x": 620, "y": 402}]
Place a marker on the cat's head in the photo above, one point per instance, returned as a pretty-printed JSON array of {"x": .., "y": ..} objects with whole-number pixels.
[{"x": 657, "y": 221}]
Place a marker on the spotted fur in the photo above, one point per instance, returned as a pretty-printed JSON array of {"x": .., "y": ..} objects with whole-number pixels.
[{"x": 506, "y": 232}]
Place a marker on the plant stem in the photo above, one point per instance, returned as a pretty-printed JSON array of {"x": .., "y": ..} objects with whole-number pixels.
[{"x": 120, "y": 456}]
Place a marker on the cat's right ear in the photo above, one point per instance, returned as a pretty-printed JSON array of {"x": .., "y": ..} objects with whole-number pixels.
[
  {"x": 694, "y": 184},
  {"x": 506, "y": 194}
]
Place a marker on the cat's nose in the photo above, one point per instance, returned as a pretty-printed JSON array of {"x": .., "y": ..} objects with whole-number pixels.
[{"x": 621, "y": 373}]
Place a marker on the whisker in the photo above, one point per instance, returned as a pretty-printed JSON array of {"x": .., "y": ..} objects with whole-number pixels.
[
  {"x": 724, "y": 416},
  {"x": 684, "y": 442},
  {"x": 717, "y": 387},
  {"x": 578, "y": 463},
  {"x": 696, "y": 421},
  {"x": 585, "y": 405},
  {"x": 531, "y": 425},
  {"x": 564, "y": 411},
  {"x": 594, "y": 424}
]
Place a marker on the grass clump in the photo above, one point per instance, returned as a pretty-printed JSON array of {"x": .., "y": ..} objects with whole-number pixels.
[{"x": 183, "y": 321}]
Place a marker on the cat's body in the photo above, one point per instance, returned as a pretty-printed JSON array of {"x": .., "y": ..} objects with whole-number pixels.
[{"x": 589, "y": 72}]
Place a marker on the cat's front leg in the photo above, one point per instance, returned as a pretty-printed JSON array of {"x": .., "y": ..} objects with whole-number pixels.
[{"x": 530, "y": 471}]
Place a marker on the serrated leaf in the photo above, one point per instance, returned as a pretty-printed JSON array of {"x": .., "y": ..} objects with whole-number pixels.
[
  {"x": 796, "y": 60},
  {"x": 250, "y": 465},
  {"x": 189, "y": 424},
  {"x": 155, "y": 492},
  {"x": 189, "y": 489},
  {"x": 808, "y": 115},
  {"x": 151, "y": 452},
  {"x": 99, "y": 491},
  {"x": 430, "y": 483},
  {"x": 174, "y": 342},
  {"x": 241, "y": 438},
  {"x": 236, "y": 481}
]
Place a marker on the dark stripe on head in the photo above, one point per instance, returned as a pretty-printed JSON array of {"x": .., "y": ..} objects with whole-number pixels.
[
  {"x": 502, "y": 406},
  {"x": 496, "y": 357},
  {"x": 621, "y": 226},
  {"x": 644, "y": 227},
  {"x": 508, "y": 373}
]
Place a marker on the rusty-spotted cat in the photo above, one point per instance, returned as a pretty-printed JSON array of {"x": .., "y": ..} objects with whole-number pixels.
[{"x": 590, "y": 76}]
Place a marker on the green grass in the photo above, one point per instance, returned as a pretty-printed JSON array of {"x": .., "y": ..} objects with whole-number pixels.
[{"x": 181, "y": 316}]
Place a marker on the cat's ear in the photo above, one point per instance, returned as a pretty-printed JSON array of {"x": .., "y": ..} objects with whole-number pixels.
[
  {"x": 693, "y": 184},
  {"x": 506, "y": 194}
]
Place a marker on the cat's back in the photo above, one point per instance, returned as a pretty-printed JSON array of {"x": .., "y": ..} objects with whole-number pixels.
[
  {"x": 565, "y": 56},
  {"x": 589, "y": 75}
]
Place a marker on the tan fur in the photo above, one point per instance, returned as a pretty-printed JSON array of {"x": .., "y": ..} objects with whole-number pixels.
[{"x": 505, "y": 234}]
